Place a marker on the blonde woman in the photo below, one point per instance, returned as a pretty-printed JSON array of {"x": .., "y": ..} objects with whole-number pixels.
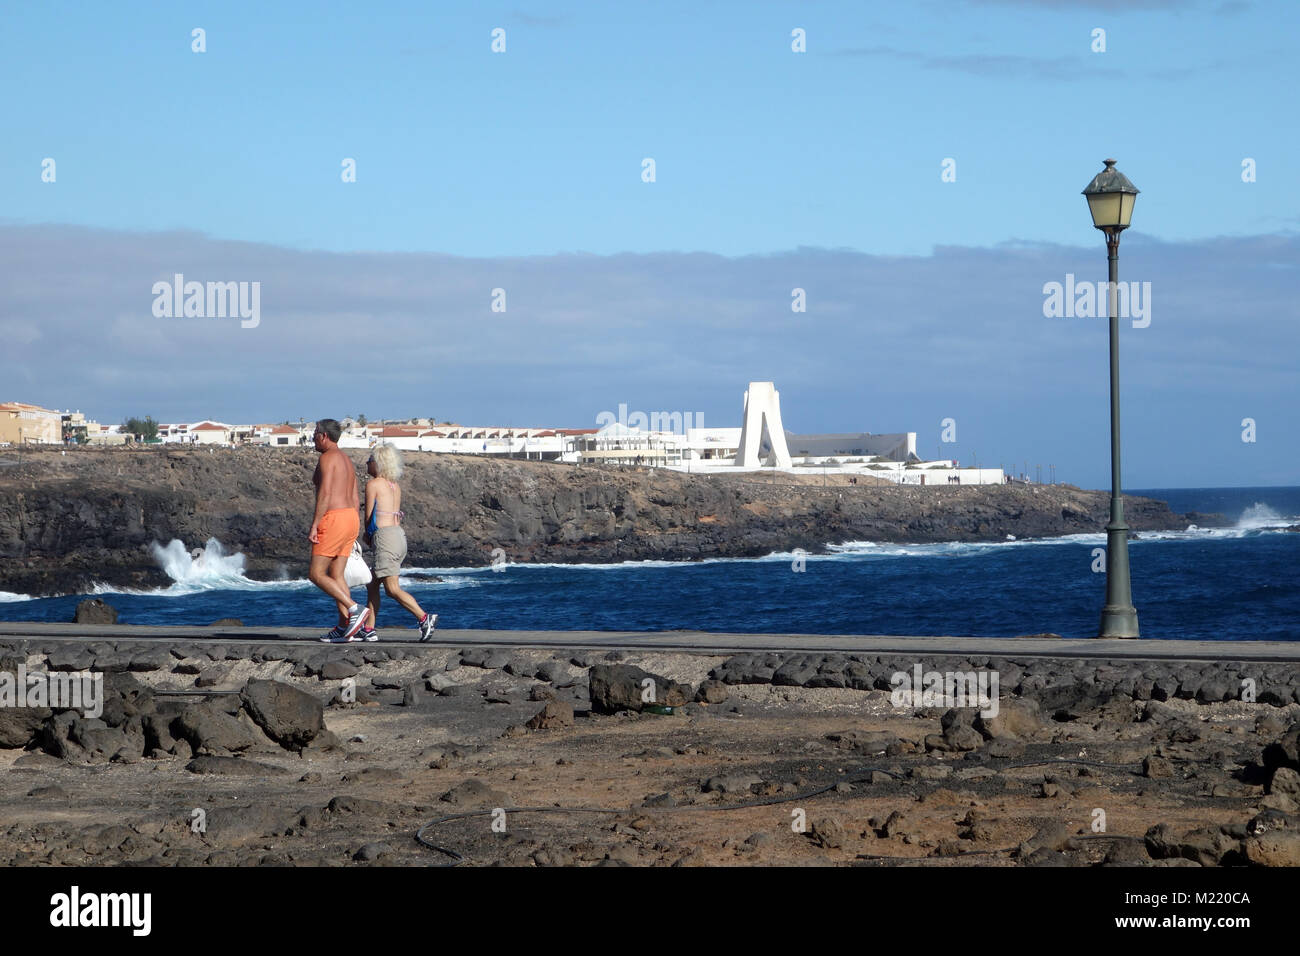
[{"x": 384, "y": 533}]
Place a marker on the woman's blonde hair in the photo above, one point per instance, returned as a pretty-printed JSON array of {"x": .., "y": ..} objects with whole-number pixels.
[{"x": 388, "y": 462}]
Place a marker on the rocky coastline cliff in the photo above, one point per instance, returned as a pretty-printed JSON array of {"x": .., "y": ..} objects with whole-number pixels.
[{"x": 69, "y": 521}]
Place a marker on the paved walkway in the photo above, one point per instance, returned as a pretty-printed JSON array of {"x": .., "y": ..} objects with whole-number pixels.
[{"x": 704, "y": 641}]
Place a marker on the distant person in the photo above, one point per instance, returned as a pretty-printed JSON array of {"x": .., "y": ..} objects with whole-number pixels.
[
  {"x": 385, "y": 535},
  {"x": 334, "y": 528}
]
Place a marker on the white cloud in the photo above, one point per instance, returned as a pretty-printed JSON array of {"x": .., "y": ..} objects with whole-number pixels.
[{"x": 888, "y": 343}]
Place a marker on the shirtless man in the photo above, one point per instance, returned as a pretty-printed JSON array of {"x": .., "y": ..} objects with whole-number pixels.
[{"x": 334, "y": 529}]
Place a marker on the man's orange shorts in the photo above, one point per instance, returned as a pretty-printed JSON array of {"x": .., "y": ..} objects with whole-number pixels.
[{"x": 337, "y": 533}]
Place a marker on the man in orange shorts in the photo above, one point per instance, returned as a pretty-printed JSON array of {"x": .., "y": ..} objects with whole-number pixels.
[{"x": 334, "y": 529}]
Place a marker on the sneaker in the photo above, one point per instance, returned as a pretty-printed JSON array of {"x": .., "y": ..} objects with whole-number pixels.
[
  {"x": 368, "y": 634},
  {"x": 426, "y": 626},
  {"x": 356, "y": 618},
  {"x": 333, "y": 636}
]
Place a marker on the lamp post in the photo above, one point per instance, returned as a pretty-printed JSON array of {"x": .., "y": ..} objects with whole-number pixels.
[{"x": 1110, "y": 200}]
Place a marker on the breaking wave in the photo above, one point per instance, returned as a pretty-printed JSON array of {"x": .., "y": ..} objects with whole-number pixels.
[
  {"x": 1260, "y": 515},
  {"x": 210, "y": 568},
  {"x": 1256, "y": 520},
  {"x": 946, "y": 549}
]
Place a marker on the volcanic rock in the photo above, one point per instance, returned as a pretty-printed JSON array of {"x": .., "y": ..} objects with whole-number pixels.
[
  {"x": 1276, "y": 848},
  {"x": 338, "y": 670},
  {"x": 711, "y": 692},
  {"x": 92, "y": 516},
  {"x": 1016, "y": 717},
  {"x": 208, "y": 728},
  {"x": 18, "y": 725},
  {"x": 94, "y": 611},
  {"x": 289, "y": 716},
  {"x": 555, "y": 715},
  {"x": 231, "y": 766},
  {"x": 617, "y": 687}
]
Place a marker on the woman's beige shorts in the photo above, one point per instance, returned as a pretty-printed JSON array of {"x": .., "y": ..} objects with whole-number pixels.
[{"x": 390, "y": 551}]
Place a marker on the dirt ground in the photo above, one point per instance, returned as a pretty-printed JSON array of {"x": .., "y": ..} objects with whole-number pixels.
[{"x": 733, "y": 783}]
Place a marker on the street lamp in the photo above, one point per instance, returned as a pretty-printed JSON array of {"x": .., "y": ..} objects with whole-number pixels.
[{"x": 1110, "y": 200}]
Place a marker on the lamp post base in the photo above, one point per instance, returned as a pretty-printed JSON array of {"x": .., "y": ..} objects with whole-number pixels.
[{"x": 1119, "y": 621}]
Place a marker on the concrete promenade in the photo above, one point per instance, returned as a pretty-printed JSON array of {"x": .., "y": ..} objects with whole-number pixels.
[{"x": 699, "y": 641}]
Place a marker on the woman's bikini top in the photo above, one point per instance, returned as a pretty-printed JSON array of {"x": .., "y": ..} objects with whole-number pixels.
[{"x": 371, "y": 524}]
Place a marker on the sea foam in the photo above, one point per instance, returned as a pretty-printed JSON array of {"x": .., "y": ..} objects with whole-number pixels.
[
  {"x": 210, "y": 568},
  {"x": 1260, "y": 515}
]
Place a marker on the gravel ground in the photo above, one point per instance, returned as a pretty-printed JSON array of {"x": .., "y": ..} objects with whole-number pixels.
[{"x": 725, "y": 783}]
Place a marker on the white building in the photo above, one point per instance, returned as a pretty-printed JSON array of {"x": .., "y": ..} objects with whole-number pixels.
[
  {"x": 172, "y": 433},
  {"x": 113, "y": 435},
  {"x": 712, "y": 444},
  {"x": 763, "y": 444},
  {"x": 760, "y": 443},
  {"x": 211, "y": 433},
  {"x": 897, "y": 447},
  {"x": 275, "y": 435},
  {"x": 617, "y": 444},
  {"x": 541, "y": 444}
]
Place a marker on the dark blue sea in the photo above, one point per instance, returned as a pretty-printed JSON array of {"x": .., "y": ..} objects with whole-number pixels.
[{"x": 1236, "y": 583}]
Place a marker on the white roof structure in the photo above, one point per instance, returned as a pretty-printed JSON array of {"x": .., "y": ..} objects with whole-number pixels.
[{"x": 618, "y": 430}]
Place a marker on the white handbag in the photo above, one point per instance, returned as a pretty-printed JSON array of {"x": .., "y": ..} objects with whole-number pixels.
[{"x": 356, "y": 574}]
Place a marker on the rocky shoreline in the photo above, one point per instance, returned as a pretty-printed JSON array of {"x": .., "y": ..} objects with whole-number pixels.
[
  {"x": 308, "y": 755},
  {"x": 70, "y": 521}
]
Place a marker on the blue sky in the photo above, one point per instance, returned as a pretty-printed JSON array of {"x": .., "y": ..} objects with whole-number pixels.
[{"x": 774, "y": 169}]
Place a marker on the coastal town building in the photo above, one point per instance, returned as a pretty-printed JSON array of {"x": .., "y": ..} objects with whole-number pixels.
[
  {"x": 218, "y": 433},
  {"x": 24, "y": 424},
  {"x": 712, "y": 444},
  {"x": 275, "y": 435},
  {"x": 763, "y": 444},
  {"x": 111, "y": 435},
  {"x": 618, "y": 444},
  {"x": 538, "y": 444},
  {"x": 211, "y": 433},
  {"x": 760, "y": 443},
  {"x": 77, "y": 428},
  {"x": 900, "y": 447}
]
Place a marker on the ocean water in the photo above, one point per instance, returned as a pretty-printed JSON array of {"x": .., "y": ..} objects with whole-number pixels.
[{"x": 1236, "y": 583}]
